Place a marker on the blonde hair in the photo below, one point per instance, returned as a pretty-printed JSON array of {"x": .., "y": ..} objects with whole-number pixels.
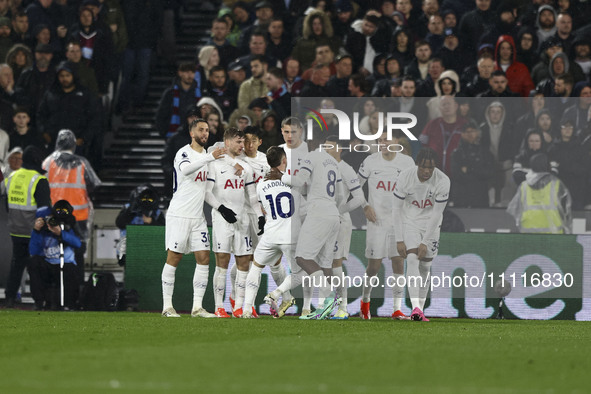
[{"x": 204, "y": 55}]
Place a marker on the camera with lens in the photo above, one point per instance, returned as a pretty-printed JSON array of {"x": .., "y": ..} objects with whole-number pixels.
[{"x": 51, "y": 221}]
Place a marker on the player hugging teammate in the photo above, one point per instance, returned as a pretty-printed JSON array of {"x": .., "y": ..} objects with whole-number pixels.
[{"x": 305, "y": 199}]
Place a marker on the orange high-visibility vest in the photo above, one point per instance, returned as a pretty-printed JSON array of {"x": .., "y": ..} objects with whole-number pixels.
[{"x": 69, "y": 184}]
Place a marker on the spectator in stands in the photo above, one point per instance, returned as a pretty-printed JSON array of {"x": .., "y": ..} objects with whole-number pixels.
[
  {"x": 67, "y": 105},
  {"x": 264, "y": 15},
  {"x": 173, "y": 144},
  {"x": 20, "y": 28},
  {"x": 216, "y": 127},
  {"x": 22, "y": 134},
  {"x": 236, "y": 75},
  {"x": 409, "y": 104},
  {"x": 548, "y": 49},
  {"x": 542, "y": 203},
  {"x": 74, "y": 179},
  {"x": 183, "y": 93},
  {"x": 498, "y": 86},
  {"x": 14, "y": 161},
  {"x": 443, "y": 134},
  {"x": 317, "y": 29},
  {"x": 279, "y": 42},
  {"x": 258, "y": 47},
  {"x": 452, "y": 54},
  {"x": 546, "y": 22},
  {"x": 27, "y": 190},
  {"x": 242, "y": 16},
  {"x": 578, "y": 112},
  {"x": 19, "y": 58},
  {"x": 474, "y": 23},
  {"x": 472, "y": 167},
  {"x": 383, "y": 87},
  {"x": 527, "y": 47},
  {"x": 559, "y": 65},
  {"x": 6, "y": 84},
  {"x": 426, "y": 87},
  {"x": 325, "y": 56},
  {"x": 46, "y": 12},
  {"x": 435, "y": 35},
  {"x": 419, "y": 66},
  {"x": 85, "y": 73},
  {"x": 519, "y": 80},
  {"x": 223, "y": 93},
  {"x": 366, "y": 39},
  {"x": 502, "y": 140},
  {"x": 253, "y": 87},
  {"x": 505, "y": 24},
  {"x": 35, "y": 81},
  {"x": 293, "y": 80},
  {"x": 343, "y": 18},
  {"x": 563, "y": 88},
  {"x": 278, "y": 97},
  {"x": 270, "y": 134},
  {"x": 46, "y": 271},
  {"x": 111, "y": 15},
  {"x": 316, "y": 86},
  {"x": 581, "y": 53},
  {"x": 218, "y": 39},
  {"x": 401, "y": 46},
  {"x": 206, "y": 105},
  {"x": 545, "y": 126},
  {"x": 450, "y": 18},
  {"x": 337, "y": 84},
  {"x": 208, "y": 59},
  {"x": 480, "y": 82},
  {"x": 533, "y": 143},
  {"x": 536, "y": 102},
  {"x": 357, "y": 86},
  {"x": 564, "y": 29},
  {"x": 447, "y": 84},
  {"x": 379, "y": 71},
  {"x": 143, "y": 19},
  {"x": 405, "y": 7},
  {"x": 573, "y": 163},
  {"x": 5, "y": 37},
  {"x": 428, "y": 9},
  {"x": 96, "y": 46},
  {"x": 142, "y": 209}
]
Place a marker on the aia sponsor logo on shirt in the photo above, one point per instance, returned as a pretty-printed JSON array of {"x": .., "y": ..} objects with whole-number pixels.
[
  {"x": 201, "y": 176},
  {"x": 234, "y": 184},
  {"x": 422, "y": 203},
  {"x": 386, "y": 186}
]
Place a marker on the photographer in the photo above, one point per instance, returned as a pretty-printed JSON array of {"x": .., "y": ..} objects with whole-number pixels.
[
  {"x": 141, "y": 209},
  {"x": 53, "y": 227}
]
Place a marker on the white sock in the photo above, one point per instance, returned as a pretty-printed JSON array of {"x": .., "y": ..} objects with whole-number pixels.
[
  {"x": 219, "y": 286},
  {"x": 318, "y": 280},
  {"x": 279, "y": 275},
  {"x": 167, "y": 285},
  {"x": 240, "y": 288},
  {"x": 425, "y": 270},
  {"x": 342, "y": 289},
  {"x": 308, "y": 292},
  {"x": 253, "y": 281},
  {"x": 397, "y": 291},
  {"x": 367, "y": 288},
  {"x": 292, "y": 281},
  {"x": 233, "y": 281},
  {"x": 412, "y": 270},
  {"x": 200, "y": 279}
]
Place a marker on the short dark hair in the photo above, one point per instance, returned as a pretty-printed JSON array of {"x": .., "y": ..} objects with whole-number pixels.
[
  {"x": 567, "y": 79},
  {"x": 254, "y": 130},
  {"x": 233, "y": 132},
  {"x": 219, "y": 20},
  {"x": 359, "y": 81},
  {"x": 197, "y": 121},
  {"x": 216, "y": 69},
  {"x": 409, "y": 78},
  {"x": 498, "y": 73},
  {"x": 421, "y": 43},
  {"x": 259, "y": 58},
  {"x": 187, "y": 66},
  {"x": 21, "y": 109},
  {"x": 292, "y": 121},
  {"x": 426, "y": 154},
  {"x": 274, "y": 156},
  {"x": 276, "y": 72},
  {"x": 19, "y": 14},
  {"x": 259, "y": 33}
]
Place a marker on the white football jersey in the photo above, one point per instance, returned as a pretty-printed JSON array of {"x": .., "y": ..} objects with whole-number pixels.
[
  {"x": 189, "y": 190},
  {"x": 381, "y": 176},
  {"x": 229, "y": 188},
  {"x": 282, "y": 223},
  {"x": 323, "y": 181},
  {"x": 259, "y": 165},
  {"x": 294, "y": 157},
  {"x": 420, "y": 197}
]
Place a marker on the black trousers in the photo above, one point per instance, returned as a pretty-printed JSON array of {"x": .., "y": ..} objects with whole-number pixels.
[
  {"x": 20, "y": 260},
  {"x": 45, "y": 278}
]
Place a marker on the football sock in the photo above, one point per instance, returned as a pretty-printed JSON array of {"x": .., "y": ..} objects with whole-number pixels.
[
  {"x": 425, "y": 270},
  {"x": 200, "y": 279},
  {"x": 278, "y": 274},
  {"x": 397, "y": 291},
  {"x": 367, "y": 288},
  {"x": 219, "y": 285},
  {"x": 292, "y": 281},
  {"x": 253, "y": 280},
  {"x": 167, "y": 285},
  {"x": 412, "y": 271},
  {"x": 240, "y": 288},
  {"x": 233, "y": 281},
  {"x": 308, "y": 291},
  {"x": 342, "y": 289}
]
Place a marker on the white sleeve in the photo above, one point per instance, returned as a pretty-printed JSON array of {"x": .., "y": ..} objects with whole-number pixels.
[
  {"x": 187, "y": 167},
  {"x": 251, "y": 191},
  {"x": 210, "y": 199},
  {"x": 299, "y": 179},
  {"x": 433, "y": 222},
  {"x": 357, "y": 200},
  {"x": 397, "y": 216}
]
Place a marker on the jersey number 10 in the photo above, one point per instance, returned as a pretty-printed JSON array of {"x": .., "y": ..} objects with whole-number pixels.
[{"x": 276, "y": 208}]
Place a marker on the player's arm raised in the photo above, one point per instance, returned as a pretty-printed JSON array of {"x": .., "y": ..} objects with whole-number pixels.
[
  {"x": 302, "y": 176},
  {"x": 187, "y": 167}
]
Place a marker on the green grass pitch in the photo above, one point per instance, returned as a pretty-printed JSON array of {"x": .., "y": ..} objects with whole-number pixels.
[{"x": 75, "y": 352}]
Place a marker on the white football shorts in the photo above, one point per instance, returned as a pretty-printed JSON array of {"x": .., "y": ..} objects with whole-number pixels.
[
  {"x": 185, "y": 235},
  {"x": 380, "y": 242},
  {"x": 317, "y": 240},
  {"x": 231, "y": 237}
]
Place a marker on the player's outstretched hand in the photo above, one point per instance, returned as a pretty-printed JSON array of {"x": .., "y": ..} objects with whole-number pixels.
[
  {"x": 218, "y": 152},
  {"x": 261, "y": 225},
  {"x": 228, "y": 215},
  {"x": 273, "y": 175},
  {"x": 238, "y": 169},
  {"x": 422, "y": 251},
  {"x": 370, "y": 213},
  {"x": 401, "y": 247}
]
